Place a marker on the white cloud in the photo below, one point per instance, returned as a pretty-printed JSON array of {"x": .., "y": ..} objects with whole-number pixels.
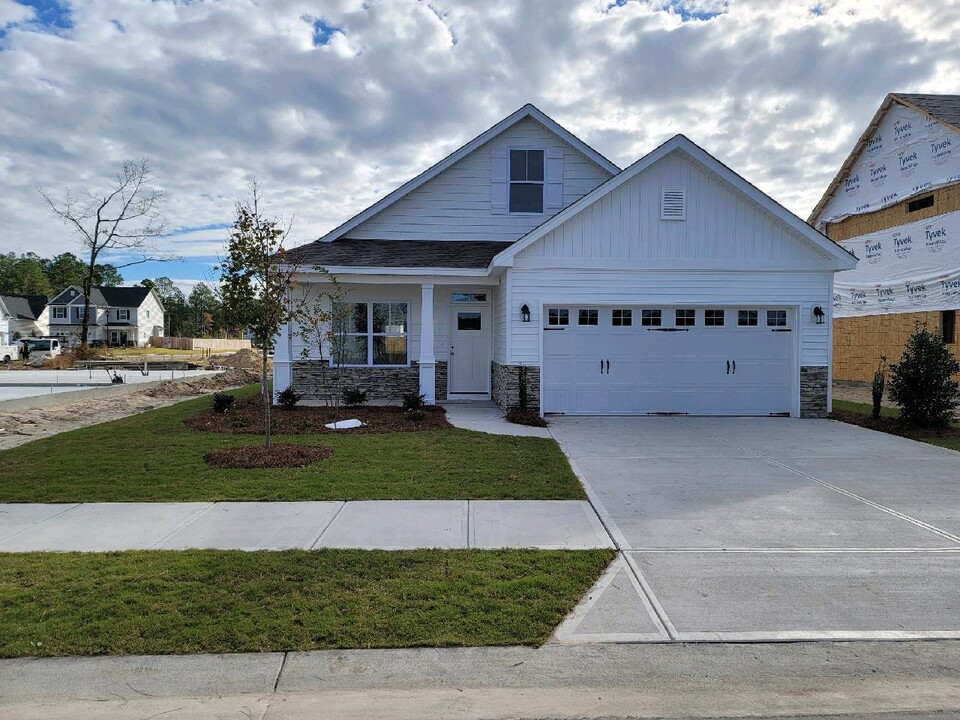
[{"x": 215, "y": 94}]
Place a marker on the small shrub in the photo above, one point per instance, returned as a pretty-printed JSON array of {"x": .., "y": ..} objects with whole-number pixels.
[
  {"x": 354, "y": 397},
  {"x": 414, "y": 401},
  {"x": 879, "y": 383},
  {"x": 414, "y": 415},
  {"x": 222, "y": 402},
  {"x": 922, "y": 383},
  {"x": 288, "y": 399}
]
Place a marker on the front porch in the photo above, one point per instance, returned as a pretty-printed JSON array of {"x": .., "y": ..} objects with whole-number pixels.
[{"x": 440, "y": 336}]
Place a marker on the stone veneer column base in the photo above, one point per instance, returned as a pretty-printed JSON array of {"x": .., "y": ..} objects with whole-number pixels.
[
  {"x": 381, "y": 383},
  {"x": 505, "y": 386},
  {"x": 814, "y": 385}
]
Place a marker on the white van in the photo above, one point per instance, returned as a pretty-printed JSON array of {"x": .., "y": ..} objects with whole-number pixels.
[{"x": 44, "y": 346}]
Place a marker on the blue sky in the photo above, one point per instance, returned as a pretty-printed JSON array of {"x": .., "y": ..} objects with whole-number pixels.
[{"x": 332, "y": 103}]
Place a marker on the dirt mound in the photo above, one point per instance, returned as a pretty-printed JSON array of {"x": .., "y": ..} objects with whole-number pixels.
[
  {"x": 203, "y": 385},
  {"x": 275, "y": 456},
  {"x": 242, "y": 360}
]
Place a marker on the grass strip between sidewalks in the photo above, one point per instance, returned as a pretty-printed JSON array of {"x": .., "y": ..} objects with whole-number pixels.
[{"x": 206, "y": 601}]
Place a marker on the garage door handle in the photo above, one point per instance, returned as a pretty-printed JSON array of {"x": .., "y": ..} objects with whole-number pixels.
[
  {"x": 608, "y": 367},
  {"x": 734, "y": 367},
  {"x": 601, "y": 367},
  {"x": 728, "y": 367}
]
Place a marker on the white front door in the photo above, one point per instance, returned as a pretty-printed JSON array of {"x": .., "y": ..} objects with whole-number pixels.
[
  {"x": 698, "y": 361},
  {"x": 470, "y": 339}
]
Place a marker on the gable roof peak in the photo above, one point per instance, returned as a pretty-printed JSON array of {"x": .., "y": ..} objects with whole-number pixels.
[{"x": 528, "y": 110}]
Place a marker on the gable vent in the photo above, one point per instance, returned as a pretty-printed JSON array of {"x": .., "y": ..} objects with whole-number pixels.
[{"x": 673, "y": 203}]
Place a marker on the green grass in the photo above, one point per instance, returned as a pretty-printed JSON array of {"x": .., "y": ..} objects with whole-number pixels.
[
  {"x": 864, "y": 408},
  {"x": 202, "y": 601},
  {"x": 889, "y": 422},
  {"x": 154, "y": 457}
]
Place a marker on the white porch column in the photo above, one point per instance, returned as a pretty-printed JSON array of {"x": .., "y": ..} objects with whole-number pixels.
[
  {"x": 427, "y": 360},
  {"x": 282, "y": 362}
]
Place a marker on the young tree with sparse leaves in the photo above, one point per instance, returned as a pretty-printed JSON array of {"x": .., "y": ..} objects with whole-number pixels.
[
  {"x": 125, "y": 217},
  {"x": 322, "y": 324},
  {"x": 256, "y": 282}
]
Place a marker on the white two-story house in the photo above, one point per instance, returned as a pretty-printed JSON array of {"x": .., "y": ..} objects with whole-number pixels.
[
  {"x": 23, "y": 316},
  {"x": 119, "y": 316},
  {"x": 671, "y": 286}
]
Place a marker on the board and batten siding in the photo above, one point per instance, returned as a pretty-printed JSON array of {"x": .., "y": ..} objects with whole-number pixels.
[
  {"x": 456, "y": 205},
  {"x": 625, "y": 224}
]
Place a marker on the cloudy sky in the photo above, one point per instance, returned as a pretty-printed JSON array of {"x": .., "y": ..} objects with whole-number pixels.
[{"x": 332, "y": 103}]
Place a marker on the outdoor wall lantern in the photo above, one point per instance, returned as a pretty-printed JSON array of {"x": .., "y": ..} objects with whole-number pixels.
[
  {"x": 818, "y": 315},
  {"x": 524, "y": 313}
]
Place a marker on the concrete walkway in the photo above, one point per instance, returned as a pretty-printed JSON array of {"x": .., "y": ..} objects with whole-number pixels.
[
  {"x": 605, "y": 681},
  {"x": 368, "y": 525},
  {"x": 487, "y": 417}
]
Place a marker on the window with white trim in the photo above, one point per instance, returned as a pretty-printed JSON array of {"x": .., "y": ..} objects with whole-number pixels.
[
  {"x": 588, "y": 317},
  {"x": 526, "y": 181},
  {"x": 713, "y": 317},
  {"x": 371, "y": 334},
  {"x": 747, "y": 318},
  {"x": 651, "y": 318},
  {"x": 776, "y": 318},
  {"x": 558, "y": 316},
  {"x": 123, "y": 314},
  {"x": 79, "y": 312},
  {"x": 59, "y": 313},
  {"x": 686, "y": 317},
  {"x": 622, "y": 317}
]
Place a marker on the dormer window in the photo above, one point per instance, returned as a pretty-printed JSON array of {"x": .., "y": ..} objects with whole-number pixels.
[{"x": 526, "y": 181}]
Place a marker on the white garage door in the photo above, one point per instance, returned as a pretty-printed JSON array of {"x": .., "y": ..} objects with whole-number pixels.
[{"x": 638, "y": 360}]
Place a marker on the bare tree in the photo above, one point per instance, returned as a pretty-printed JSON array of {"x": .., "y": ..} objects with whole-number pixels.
[
  {"x": 322, "y": 321},
  {"x": 124, "y": 217}
]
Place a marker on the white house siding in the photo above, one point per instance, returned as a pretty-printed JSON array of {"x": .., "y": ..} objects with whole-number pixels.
[
  {"x": 151, "y": 326},
  {"x": 455, "y": 205},
  {"x": 625, "y": 224}
]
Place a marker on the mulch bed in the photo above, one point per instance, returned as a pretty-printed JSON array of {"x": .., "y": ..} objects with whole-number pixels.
[
  {"x": 280, "y": 455},
  {"x": 530, "y": 417},
  {"x": 893, "y": 426},
  {"x": 246, "y": 417}
]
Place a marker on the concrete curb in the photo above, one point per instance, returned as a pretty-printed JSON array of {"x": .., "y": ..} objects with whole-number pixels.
[{"x": 41, "y": 401}]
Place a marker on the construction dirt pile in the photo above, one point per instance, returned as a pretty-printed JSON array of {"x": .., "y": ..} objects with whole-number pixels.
[
  {"x": 242, "y": 360},
  {"x": 21, "y": 426},
  {"x": 203, "y": 385}
]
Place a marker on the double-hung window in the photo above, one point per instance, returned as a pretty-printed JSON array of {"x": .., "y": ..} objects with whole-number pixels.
[
  {"x": 59, "y": 313},
  {"x": 526, "y": 181},
  {"x": 370, "y": 333},
  {"x": 123, "y": 314}
]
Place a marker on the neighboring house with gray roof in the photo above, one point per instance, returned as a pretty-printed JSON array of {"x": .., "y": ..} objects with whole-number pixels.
[
  {"x": 672, "y": 286},
  {"x": 120, "y": 316},
  {"x": 24, "y": 316}
]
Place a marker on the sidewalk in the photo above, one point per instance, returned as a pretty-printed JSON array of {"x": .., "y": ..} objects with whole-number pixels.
[
  {"x": 603, "y": 681},
  {"x": 367, "y": 525}
]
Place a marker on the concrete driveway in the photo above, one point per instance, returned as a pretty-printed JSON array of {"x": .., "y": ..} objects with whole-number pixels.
[{"x": 743, "y": 529}]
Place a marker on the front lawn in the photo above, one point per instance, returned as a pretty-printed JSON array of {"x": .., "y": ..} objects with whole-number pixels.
[
  {"x": 203, "y": 601},
  {"x": 154, "y": 457},
  {"x": 861, "y": 414}
]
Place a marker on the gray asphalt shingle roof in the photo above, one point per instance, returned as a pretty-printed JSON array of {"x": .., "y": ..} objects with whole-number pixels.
[
  {"x": 942, "y": 107},
  {"x": 454, "y": 254},
  {"x": 25, "y": 307}
]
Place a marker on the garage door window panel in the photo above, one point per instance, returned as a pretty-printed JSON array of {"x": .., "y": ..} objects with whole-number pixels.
[
  {"x": 776, "y": 318},
  {"x": 588, "y": 317},
  {"x": 747, "y": 318},
  {"x": 622, "y": 317},
  {"x": 558, "y": 317},
  {"x": 713, "y": 317},
  {"x": 686, "y": 317},
  {"x": 651, "y": 318}
]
